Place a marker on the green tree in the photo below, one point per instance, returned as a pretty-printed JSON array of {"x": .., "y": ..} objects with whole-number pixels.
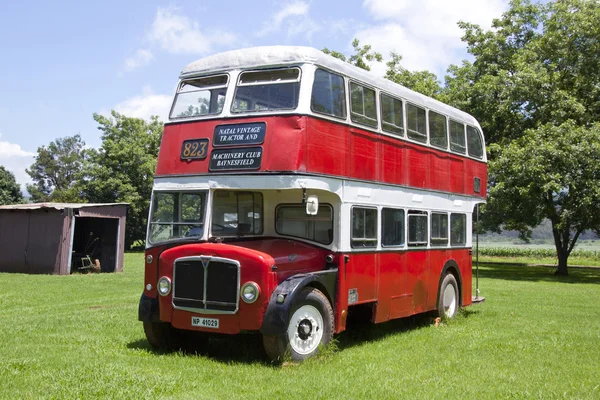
[
  {"x": 361, "y": 57},
  {"x": 10, "y": 190},
  {"x": 534, "y": 85},
  {"x": 56, "y": 170},
  {"x": 537, "y": 65},
  {"x": 122, "y": 169},
  {"x": 424, "y": 82},
  {"x": 549, "y": 173}
]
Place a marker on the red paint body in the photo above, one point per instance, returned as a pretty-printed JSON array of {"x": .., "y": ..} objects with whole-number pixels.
[
  {"x": 305, "y": 144},
  {"x": 400, "y": 283}
]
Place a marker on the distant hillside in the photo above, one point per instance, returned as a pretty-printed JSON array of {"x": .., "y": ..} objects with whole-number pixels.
[{"x": 542, "y": 232}]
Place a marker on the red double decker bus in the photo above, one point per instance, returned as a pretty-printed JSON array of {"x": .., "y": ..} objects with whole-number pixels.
[{"x": 293, "y": 189}]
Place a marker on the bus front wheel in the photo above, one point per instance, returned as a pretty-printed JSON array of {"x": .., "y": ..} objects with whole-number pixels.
[
  {"x": 448, "y": 298},
  {"x": 310, "y": 327}
]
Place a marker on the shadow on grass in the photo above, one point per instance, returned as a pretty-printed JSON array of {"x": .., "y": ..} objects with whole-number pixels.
[
  {"x": 248, "y": 348},
  {"x": 523, "y": 272},
  {"x": 244, "y": 348}
]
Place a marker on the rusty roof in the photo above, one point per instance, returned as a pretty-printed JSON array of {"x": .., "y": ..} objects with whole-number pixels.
[{"x": 58, "y": 206}]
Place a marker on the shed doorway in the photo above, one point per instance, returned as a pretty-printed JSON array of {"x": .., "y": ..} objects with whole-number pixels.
[{"x": 94, "y": 239}]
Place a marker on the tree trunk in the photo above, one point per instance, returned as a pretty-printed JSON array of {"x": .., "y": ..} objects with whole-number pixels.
[{"x": 562, "y": 264}]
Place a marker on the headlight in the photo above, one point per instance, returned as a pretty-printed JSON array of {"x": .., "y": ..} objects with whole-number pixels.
[
  {"x": 250, "y": 292},
  {"x": 164, "y": 286}
]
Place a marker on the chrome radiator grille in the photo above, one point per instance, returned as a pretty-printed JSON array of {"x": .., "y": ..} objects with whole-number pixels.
[{"x": 206, "y": 284}]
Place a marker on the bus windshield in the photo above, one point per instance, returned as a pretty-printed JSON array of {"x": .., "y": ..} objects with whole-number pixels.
[
  {"x": 265, "y": 90},
  {"x": 199, "y": 97},
  {"x": 177, "y": 216}
]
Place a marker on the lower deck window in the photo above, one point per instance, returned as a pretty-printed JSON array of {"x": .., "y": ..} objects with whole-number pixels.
[
  {"x": 417, "y": 228},
  {"x": 292, "y": 220},
  {"x": 364, "y": 227},
  {"x": 237, "y": 213},
  {"x": 392, "y": 227},
  {"x": 439, "y": 229},
  {"x": 458, "y": 229}
]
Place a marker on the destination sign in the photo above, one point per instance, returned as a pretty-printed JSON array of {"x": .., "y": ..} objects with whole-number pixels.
[
  {"x": 233, "y": 159},
  {"x": 242, "y": 134}
]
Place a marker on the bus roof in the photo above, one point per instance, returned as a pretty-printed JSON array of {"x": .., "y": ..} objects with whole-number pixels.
[{"x": 254, "y": 57}]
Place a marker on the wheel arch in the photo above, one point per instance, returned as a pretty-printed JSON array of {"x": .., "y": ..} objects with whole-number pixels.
[
  {"x": 277, "y": 314},
  {"x": 451, "y": 267}
]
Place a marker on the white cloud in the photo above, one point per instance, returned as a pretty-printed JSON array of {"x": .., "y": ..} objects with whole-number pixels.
[
  {"x": 298, "y": 13},
  {"x": 426, "y": 33},
  {"x": 16, "y": 160},
  {"x": 176, "y": 33},
  {"x": 146, "y": 105},
  {"x": 139, "y": 59}
]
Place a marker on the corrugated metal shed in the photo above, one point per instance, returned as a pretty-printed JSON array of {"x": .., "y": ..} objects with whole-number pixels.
[{"x": 60, "y": 238}]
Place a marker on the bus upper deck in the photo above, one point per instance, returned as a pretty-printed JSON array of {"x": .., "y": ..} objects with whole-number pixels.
[{"x": 297, "y": 110}]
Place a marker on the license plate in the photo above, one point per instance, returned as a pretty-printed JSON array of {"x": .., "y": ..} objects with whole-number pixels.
[{"x": 205, "y": 322}]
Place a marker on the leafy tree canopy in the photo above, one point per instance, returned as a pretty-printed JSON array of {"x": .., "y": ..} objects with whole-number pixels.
[
  {"x": 551, "y": 172},
  {"x": 56, "y": 169},
  {"x": 122, "y": 169},
  {"x": 538, "y": 65},
  {"x": 363, "y": 55},
  {"x": 535, "y": 88},
  {"x": 10, "y": 190}
]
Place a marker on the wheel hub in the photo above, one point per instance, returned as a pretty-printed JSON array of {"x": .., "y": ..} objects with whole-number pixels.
[{"x": 304, "y": 329}]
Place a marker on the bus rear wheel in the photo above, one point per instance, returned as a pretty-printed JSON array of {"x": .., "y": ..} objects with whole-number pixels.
[
  {"x": 310, "y": 327},
  {"x": 448, "y": 298}
]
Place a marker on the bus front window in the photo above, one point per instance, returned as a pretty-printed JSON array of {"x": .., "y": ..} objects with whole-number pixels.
[
  {"x": 237, "y": 213},
  {"x": 177, "y": 215},
  {"x": 265, "y": 90},
  {"x": 199, "y": 97}
]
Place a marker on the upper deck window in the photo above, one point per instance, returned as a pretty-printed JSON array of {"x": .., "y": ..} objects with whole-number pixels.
[
  {"x": 363, "y": 109},
  {"x": 265, "y": 90},
  {"x": 200, "y": 96},
  {"x": 392, "y": 115},
  {"x": 457, "y": 137},
  {"x": 416, "y": 118},
  {"x": 474, "y": 142},
  {"x": 438, "y": 130},
  {"x": 329, "y": 94}
]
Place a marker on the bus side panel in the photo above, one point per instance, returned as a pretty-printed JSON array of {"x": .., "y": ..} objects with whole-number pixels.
[
  {"x": 362, "y": 274},
  {"x": 437, "y": 260},
  {"x": 392, "y": 165},
  {"x": 457, "y": 176},
  {"x": 363, "y": 155},
  {"x": 393, "y": 301},
  {"x": 285, "y": 144},
  {"x": 417, "y": 263},
  {"x": 465, "y": 265},
  {"x": 439, "y": 172},
  {"x": 326, "y": 147},
  {"x": 418, "y": 163}
]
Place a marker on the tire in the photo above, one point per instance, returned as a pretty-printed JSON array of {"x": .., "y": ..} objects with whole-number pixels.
[
  {"x": 448, "y": 298},
  {"x": 162, "y": 335},
  {"x": 309, "y": 328}
]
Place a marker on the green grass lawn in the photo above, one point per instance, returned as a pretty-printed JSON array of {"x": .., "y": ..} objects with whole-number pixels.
[{"x": 536, "y": 336}]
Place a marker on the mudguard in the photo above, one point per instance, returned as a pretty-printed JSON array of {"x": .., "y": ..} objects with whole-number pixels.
[
  {"x": 148, "y": 309},
  {"x": 277, "y": 314},
  {"x": 451, "y": 264}
]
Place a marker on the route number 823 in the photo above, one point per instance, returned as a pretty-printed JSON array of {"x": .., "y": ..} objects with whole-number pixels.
[{"x": 194, "y": 149}]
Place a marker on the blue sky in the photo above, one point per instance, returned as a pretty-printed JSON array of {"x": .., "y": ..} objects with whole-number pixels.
[{"x": 62, "y": 61}]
